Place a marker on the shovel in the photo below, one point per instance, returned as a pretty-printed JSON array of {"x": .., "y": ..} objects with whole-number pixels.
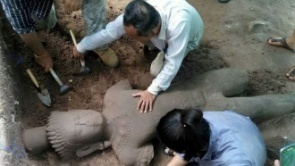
[
  {"x": 63, "y": 88},
  {"x": 84, "y": 69},
  {"x": 43, "y": 93}
]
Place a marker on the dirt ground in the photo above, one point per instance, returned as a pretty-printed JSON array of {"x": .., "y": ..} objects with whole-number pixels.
[{"x": 235, "y": 36}]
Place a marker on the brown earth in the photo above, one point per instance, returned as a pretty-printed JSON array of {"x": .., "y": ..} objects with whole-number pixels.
[{"x": 235, "y": 35}]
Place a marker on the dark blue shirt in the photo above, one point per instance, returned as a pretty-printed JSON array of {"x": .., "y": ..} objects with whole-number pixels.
[{"x": 19, "y": 13}]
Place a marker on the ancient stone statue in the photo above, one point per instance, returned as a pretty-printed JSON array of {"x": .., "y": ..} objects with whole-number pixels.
[
  {"x": 277, "y": 133},
  {"x": 120, "y": 125}
]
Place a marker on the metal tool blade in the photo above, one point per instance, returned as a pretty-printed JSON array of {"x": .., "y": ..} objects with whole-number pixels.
[{"x": 44, "y": 96}]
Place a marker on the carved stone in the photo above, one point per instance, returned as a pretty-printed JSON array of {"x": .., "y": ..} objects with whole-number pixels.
[{"x": 120, "y": 125}]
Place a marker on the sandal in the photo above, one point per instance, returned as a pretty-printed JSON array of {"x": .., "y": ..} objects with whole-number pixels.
[
  {"x": 280, "y": 42},
  {"x": 223, "y": 1},
  {"x": 291, "y": 74}
]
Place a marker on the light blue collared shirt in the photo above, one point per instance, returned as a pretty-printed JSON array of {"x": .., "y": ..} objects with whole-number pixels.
[{"x": 235, "y": 141}]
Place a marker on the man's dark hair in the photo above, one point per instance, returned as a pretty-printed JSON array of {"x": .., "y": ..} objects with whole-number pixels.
[
  {"x": 142, "y": 16},
  {"x": 185, "y": 131}
]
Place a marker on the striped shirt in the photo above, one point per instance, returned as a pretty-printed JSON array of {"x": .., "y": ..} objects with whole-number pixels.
[{"x": 19, "y": 13}]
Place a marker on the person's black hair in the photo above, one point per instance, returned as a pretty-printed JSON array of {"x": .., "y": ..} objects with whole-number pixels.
[
  {"x": 142, "y": 16},
  {"x": 185, "y": 131}
]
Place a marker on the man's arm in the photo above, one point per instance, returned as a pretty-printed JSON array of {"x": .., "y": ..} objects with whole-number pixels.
[
  {"x": 113, "y": 31},
  {"x": 19, "y": 16},
  {"x": 42, "y": 56},
  {"x": 177, "y": 44}
]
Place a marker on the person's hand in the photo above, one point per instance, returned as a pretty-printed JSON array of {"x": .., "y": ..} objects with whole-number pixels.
[
  {"x": 77, "y": 54},
  {"x": 276, "y": 163},
  {"x": 44, "y": 60},
  {"x": 72, "y": 5},
  {"x": 145, "y": 103}
]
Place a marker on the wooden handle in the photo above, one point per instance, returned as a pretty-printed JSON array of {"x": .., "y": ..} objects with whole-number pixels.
[
  {"x": 73, "y": 38},
  {"x": 32, "y": 77},
  {"x": 82, "y": 61},
  {"x": 290, "y": 72},
  {"x": 55, "y": 77}
]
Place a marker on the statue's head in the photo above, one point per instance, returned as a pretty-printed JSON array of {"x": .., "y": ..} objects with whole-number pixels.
[
  {"x": 66, "y": 132},
  {"x": 76, "y": 126}
]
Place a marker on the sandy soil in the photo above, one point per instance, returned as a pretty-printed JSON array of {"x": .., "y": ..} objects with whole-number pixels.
[{"x": 235, "y": 36}]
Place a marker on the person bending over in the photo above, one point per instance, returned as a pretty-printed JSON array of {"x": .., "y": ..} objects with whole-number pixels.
[
  {"x": 211, "y": 138},
  {"x": 173, "y": 26}
]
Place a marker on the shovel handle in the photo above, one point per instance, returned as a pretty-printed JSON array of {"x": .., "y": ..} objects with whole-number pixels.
[
  {"x": 73, "y": 38},
  {"x": 32, "y": 77},
  {"x": 55, "y": 77},
  {"x": 82, "y": 61}
]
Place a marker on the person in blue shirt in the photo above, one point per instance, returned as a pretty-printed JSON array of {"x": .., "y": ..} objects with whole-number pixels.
[{"x": 211, "y": 138}]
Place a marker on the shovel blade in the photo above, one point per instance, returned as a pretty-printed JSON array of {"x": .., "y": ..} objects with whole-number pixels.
[{"x": 45, "y": 97}]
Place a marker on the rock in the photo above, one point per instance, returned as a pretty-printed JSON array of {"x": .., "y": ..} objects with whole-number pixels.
[{"x": 258, "y": 26}]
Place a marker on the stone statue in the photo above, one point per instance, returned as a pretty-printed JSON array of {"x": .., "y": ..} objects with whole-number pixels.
[
  {"x": 129, "y": 133},
  {"x": 277, "y": 133}
]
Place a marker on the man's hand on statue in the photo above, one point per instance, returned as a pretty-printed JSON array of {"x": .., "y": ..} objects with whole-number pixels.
[
  {"x": 44, "y": 60},
  {"x": 72, "y": 5},
  {"x": 76, "y": 53},
  {"x": 145, "y": 103}
]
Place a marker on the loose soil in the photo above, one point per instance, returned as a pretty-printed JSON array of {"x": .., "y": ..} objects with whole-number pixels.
[{"x": 233, "y": 38}]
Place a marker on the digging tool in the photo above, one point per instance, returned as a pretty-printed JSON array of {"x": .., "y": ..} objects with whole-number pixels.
[
  {"x": 43, "y": 93},
  {"x": 63, "y": 88},
  {"x": 84, "y": 69}
]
